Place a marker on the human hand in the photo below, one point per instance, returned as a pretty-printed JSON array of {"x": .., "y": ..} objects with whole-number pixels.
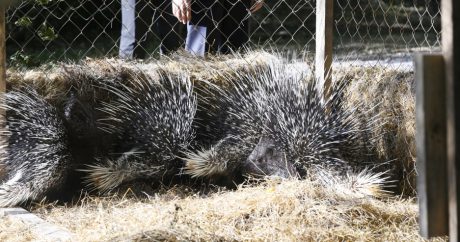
[
  {"x": 256, "y": 5},
  {"x": 182, "y": 10}
]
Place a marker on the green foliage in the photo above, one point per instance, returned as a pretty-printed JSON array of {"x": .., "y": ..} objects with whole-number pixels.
[
  {"x": 46, "y": 32},
  {"x": 23, "y": 22},
  {"x": 31, "y": 26},
  {"x": 20, "y": 59}
]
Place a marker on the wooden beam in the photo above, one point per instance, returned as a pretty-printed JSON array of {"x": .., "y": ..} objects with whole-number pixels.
[
  {"x": 43, "y": 230},
  {"x": 324, "y": 35},
  {"x": 451, "y": 52},
  {"x": 2, "y": 49},
  {"x": 431, "y": 139}
]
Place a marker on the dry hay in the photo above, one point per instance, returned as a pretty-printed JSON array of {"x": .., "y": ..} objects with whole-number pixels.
[
  {"x": 388, "y": 93},
  {"x": 14, "y": 231},
  {"x": 53, "y": 82},
  {"x": 274, "y": 210},
  {"x": 391, "y": 95}
]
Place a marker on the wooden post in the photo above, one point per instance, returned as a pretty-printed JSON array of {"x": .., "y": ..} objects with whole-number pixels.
[
  {"x": 2, "y": 49},
  {"x": 431, "y": 139},
  {"x": 451, "y": 52},
  {"x": 324, "y": 35}
]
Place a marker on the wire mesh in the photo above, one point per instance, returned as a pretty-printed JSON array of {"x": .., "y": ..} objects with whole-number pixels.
[
  {"x": 42, "y": 31},
  {"x": 386, "y": 32}
]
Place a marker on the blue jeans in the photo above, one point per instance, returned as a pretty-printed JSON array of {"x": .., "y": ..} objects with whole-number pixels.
[
  {"x": 218, "y": 26},
  {"x": 139, "y": 17}
]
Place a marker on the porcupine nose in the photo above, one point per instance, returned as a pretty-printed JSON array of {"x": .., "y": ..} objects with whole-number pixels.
[{"x": 268, "y": 160}]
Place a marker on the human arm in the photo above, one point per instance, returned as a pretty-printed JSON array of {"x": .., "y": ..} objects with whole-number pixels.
[
  {"x": 182, "y": 10},
  {"x": 256, "y": 5}
]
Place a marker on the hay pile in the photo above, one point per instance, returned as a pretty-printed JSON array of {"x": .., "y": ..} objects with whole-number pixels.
[
  {"x": 271, "y": 211},
  {"x": 391, "y": 95},
  {"x": 12, "y": 231},
  {"x": 386, "y": 92}
]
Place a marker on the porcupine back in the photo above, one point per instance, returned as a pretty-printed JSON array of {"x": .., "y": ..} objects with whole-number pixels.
[
  {"x": 280, "y": 109},
  {"x": 152, "y": 120},
  {"x": 36, "y": 156}
]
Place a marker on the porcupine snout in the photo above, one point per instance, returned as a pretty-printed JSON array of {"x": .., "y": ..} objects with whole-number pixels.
[{"x": 268, "y": 160}]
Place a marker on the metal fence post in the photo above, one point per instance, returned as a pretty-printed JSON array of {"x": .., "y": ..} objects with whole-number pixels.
[{"x": 324, "y": 35}]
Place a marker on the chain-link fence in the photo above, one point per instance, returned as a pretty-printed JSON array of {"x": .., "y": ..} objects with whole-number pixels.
[
  {"x": 386, "y": 32},
  {"x": 42, "y": 31}
]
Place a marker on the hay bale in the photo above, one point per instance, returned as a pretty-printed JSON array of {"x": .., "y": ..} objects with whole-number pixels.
[
  {"x": 270, "y": 211},
  {"x": 388, "y": 93},
  {"x": 391, "y": 95},
  {"x": 53, "y": 82}
]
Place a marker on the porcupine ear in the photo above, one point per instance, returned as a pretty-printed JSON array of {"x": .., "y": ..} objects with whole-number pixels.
[{"x": 37, "y": 156}]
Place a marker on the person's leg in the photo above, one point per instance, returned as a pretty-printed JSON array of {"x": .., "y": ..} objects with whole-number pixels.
[
  {"x": 135, "y": 25},
  {"x": 202, "y": 33},
  {"x": 235, "y": 26},
  {"x": 128, "y": 28},
  {"x": 168, "y": 28}
]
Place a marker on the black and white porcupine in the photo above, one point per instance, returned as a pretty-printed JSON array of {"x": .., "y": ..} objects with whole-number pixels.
[
  {"x": 35, "y": 154},
  {"x": 272, "y": 121},
  {"x": 152, "y": 120}
]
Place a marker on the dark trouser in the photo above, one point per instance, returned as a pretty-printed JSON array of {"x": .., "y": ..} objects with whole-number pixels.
[
  {"x": 139, "y": 18},
  {"x": 217, "y": 26}
]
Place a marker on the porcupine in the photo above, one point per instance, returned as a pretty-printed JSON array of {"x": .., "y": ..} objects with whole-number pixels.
[
  {"x": 36, "y": 156},
  {"x": 152, "y": 120},
  {"x": 44, "y": 131},
  {"x": 273, "y": 121}
]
